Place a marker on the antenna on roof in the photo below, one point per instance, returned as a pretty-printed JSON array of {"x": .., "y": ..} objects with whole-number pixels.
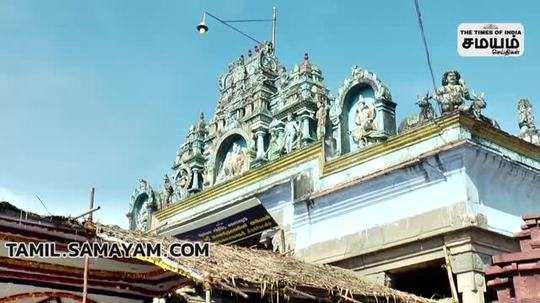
[{"x": 50, "y": 214}]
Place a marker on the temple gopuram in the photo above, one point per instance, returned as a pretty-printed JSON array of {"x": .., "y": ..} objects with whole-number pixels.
[{"x": 283, "y": 164}]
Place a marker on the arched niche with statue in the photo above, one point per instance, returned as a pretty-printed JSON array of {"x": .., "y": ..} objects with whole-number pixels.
[
  {"x": 233, "y": 155},
  {"x": 143, "y": 202},
  {"x": 362, "y": 114}
]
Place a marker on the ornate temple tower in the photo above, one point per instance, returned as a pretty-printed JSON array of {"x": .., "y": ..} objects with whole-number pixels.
[
  {"x": 283, "y": 162},
  {"x": 263, "y": 113}
]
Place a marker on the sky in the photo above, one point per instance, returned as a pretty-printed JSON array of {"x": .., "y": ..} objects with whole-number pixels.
[{"x": 102, "y": 93}]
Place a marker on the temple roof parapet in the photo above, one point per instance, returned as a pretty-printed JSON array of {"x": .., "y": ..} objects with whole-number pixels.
[
  {"x": 265, "y": 112},
  {"x": 452, "y": 96}
]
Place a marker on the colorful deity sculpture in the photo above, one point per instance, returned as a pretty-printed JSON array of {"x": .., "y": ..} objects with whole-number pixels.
[
  {"x": 527, "y": 128},
  {"x": 453, "y": 92},
  {"x": 276, "y": 146},
  {"x": 236, "y": 162},
  {"x": 322, "y": 117},
  {"x": 526, "y": 115},
  {"x": 364, "y": 119},
  {"x": 292, "y": 137},
  {"x": 167, "y": 191},
  {"x": 427, "y": 112}
]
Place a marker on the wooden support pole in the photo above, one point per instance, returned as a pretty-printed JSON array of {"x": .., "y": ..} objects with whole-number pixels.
[
  {"x": 233, "y": 289},
  {"x": 87, "y": 213},
  {"x": 348, "y": 299},
  {"x": 207, "y": 291},
  {"x": 291, "y": 292},
  {"x": 301, "y": 293},
  {"x": 282, "y": 241},
  {"x": 448, "y": 267},
  {"x": 85, "y": 279},
  {"x": 86, "y": 261}
]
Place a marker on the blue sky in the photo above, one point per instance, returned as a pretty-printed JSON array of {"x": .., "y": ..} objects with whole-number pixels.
[{"x": 101, "y": 93}]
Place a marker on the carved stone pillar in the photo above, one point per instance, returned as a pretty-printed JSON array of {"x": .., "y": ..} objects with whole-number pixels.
[
  {"x": 195, "y": 183},
  {"x": 385, "y": 118},
  {"x": 151, "y": 209},
  {"x": 336, "y": 135},
  {"x": 472, "y": 286},
  {"x": 305, "y": 127},
  {"x": 260, "y": 143},
  {"x": 260, "y": 154},
  {"x": 469, "y": 269}
]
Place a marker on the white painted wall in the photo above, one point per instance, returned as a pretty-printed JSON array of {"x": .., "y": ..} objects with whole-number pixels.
[
  {"x": 490, "y": 183},
  {"x": 501, "y": 188},
  {"x": 403, "y": 193}
]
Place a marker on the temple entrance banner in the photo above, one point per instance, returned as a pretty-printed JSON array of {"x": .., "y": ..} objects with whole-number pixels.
[{"x": 228, "y": 226}]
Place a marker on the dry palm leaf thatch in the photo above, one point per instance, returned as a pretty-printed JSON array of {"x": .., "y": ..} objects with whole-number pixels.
[{"x": 240, "y": 270}]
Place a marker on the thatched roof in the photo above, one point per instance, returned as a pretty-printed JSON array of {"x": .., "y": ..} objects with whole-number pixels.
[
  {"x": 242, "y": 270},
  {"x": 10, "y": 210}
]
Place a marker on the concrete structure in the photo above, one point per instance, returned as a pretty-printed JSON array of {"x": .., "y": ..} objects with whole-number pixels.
[{"x": 447, "y": 190}]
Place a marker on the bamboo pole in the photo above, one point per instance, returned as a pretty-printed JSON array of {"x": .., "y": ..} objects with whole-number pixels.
[
  {"x": 448, "y": 267},
  {"x": 282, "y": 240},
  {"x": 300, "y": 293},
  {"x": 349, "y": 299},
  {"x": 85, "y": 279},
  {"x": 86, "y": 260},
  {"x": 87, "y": 213},
  {"x": 233, "y": 290}
]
